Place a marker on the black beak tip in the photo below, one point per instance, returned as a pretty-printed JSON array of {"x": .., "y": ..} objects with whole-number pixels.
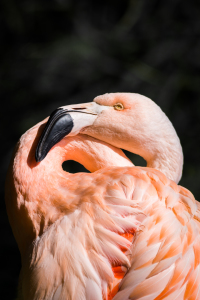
[
  {"x": 39, "y": 157},
  {"x": 58, "y": 126}
]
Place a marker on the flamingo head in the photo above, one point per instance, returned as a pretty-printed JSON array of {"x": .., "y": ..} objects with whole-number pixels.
[{"x": 128, "y": 121}]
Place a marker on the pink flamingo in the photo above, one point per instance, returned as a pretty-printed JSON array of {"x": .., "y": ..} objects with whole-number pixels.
[{"x": 120, "y": 232}]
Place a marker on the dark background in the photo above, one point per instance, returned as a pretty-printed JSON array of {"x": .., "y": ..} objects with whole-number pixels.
[{"x": 60, "y": 52}]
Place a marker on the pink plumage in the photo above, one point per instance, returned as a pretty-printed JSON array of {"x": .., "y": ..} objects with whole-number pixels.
[{"x": 120, "y": 232}]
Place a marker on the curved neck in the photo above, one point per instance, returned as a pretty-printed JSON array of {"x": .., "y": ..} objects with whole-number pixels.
[
  {"x": 169, "y": 162},
  {"x": 88, "y": 151},
  {"x": 161, "y": 154},
  {"x": 91, "y": 153},
  {"x": 162, "y": 150}
]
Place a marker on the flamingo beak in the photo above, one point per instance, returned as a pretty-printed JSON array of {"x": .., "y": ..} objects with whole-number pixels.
[{"x": 66, "y": 120}]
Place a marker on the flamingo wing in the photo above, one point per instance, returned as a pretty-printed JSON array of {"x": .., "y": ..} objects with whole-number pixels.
[{"x": 164, "y": 257}]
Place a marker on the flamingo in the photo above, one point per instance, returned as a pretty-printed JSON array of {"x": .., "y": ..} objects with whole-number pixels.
[{"x": 120, "y": 232}]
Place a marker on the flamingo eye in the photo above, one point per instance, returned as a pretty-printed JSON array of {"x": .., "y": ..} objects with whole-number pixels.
[{"x": 118, "y": 106}]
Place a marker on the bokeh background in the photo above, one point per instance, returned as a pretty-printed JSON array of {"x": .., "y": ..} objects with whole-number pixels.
[{"x": 59, "y": 52}]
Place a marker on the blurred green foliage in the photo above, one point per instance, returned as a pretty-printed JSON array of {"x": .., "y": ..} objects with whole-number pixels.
[{"x": 59, "y": 52}]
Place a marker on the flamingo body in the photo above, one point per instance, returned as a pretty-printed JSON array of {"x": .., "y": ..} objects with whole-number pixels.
[{"x": 121, "y": 232}]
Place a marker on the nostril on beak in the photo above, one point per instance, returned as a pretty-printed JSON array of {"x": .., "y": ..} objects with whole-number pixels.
[{"x": 78, "y": 108}]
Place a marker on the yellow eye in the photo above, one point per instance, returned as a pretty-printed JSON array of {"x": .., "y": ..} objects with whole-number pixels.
[{"x": 118, "y": 106}]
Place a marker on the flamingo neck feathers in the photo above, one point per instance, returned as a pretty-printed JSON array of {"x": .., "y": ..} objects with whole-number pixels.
[
  {"x": 167, "y": 158},
  {"x": 93, "y": 154}
]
